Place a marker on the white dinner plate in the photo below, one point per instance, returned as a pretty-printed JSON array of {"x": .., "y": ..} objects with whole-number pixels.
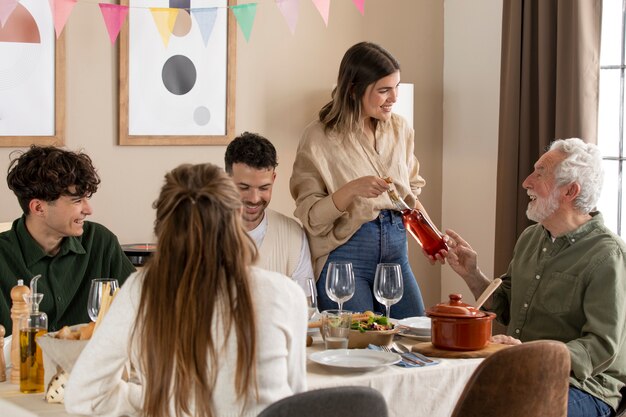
[
  {"x": 419, "y": 326},
  {"x": 354, "y": 359}
]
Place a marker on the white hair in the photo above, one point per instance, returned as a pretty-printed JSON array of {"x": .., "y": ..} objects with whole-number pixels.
[{"x": 582, "y": 165}]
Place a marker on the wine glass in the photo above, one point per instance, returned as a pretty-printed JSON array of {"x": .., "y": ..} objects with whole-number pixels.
[
  {"x": 311, "y": 296},
  {"x": 95, "y": 295},
  {"x": 388, "y": 286},
  {"x": 340, "y": 284}
]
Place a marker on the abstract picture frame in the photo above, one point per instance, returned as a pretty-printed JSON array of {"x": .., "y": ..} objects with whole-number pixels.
[
  {"x": 32, "y": 78},
  {"x": 176, "y": 82}
]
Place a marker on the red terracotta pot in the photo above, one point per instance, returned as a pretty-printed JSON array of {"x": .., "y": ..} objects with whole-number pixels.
[{"x": 459, "y": 326}]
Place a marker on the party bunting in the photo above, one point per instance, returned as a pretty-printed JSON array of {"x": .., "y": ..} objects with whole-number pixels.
[
  {"x": 114, "y": 17},
  {"x": 360, "y": 4},
  {"x": 164, "y": 18},
  {"x": 290, "y": 11},
  {"x": 6, "y": 8},
  {"x": 206, "y": 20},
  {"x": 61, "y": 10},
  {"x": 323, "y": 6},
  {"x": 244, "y": 13}
]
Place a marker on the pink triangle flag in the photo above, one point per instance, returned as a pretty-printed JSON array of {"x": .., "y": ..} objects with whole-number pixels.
[
  {"x": 114, "y": 16},
  {"x": 323, "y": 6},
  {"x": 360, "y": 4},
  {"x": 290, "y": 10},
  {"x": 206, "y": 20},
  {"x": 61, "y": 10},
  {"x": 6, "y": 8}
]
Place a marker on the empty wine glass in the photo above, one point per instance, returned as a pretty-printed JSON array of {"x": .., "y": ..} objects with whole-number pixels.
[
  {"x": 340, "y": 284},
  {"x": 95, "y": 295},
  {"x": 388, "y": 286},
  {"x": 311, "y": 296}
]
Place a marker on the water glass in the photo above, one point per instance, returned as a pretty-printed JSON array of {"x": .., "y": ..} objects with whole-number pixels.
[
  {"x": 388, "y": 285},
  {"x": 95, "y": 295},
  {"x": 336, "y": 328}
]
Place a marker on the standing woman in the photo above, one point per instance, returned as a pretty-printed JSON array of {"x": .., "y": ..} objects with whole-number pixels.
[
  {"x": 208, "y": 334},
  {"x": 338, "y": 183}
]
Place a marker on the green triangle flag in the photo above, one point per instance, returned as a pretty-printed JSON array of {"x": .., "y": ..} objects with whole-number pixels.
[{"x": 244, "y": 13}]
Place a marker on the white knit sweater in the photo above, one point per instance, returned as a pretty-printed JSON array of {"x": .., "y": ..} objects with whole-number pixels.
[{"x": 96, "y": 387}]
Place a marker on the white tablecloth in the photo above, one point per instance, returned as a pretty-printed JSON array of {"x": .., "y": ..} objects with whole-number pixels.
[{"x": 430, "y": 391}]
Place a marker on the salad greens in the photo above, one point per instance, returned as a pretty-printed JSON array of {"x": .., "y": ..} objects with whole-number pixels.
[{"x": 372, "y": 323}]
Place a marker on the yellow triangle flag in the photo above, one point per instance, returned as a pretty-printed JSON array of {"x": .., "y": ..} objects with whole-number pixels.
[{"x": 164, "y": 18}]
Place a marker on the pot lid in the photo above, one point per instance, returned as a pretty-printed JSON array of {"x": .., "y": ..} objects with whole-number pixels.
[{"x": 455, "y": 308}]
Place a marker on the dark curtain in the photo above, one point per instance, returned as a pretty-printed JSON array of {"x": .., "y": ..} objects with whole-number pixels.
[{"x": 548, "y": 90}]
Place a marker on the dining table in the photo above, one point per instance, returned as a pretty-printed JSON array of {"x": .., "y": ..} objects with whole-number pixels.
[{"x": 425, "y": 391}]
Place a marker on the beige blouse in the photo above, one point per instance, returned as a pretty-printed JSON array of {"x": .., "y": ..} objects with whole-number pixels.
[{"x": 325, "y": 163}]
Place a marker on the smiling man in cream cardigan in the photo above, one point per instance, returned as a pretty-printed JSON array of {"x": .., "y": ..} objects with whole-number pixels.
[{"x": 250, "y": 160}]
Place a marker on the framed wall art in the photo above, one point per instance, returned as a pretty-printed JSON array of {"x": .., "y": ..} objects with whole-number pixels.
[
  {"x": 32, "y": 78},
  {"x": 177, "y": 73}
]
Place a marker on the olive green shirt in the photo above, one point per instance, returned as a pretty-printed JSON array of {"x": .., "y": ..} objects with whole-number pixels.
[
  {"x": 572, "y": 289},
  {"x": 66, "y": 276}
]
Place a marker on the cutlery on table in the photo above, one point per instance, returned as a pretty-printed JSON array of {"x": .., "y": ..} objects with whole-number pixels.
[
  {"x": 405, "y": 357},
  {"x": 403, "y": 349}
]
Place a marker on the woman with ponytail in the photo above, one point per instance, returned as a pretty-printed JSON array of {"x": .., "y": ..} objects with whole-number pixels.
[{"x": 205, "y": 333}]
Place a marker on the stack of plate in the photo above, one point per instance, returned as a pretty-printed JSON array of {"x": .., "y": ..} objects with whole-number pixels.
[{"x": 415, "y": 328}]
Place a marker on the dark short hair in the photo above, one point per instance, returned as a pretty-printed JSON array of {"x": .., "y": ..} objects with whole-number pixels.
[
  {"x": 251, "y": 149},
  {"x": 46, "y": 173}
]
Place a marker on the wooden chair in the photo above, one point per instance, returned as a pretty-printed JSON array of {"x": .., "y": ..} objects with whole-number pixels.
[
  {"x": 530, "y": 379},
  {"x": 330, "y": 402}
]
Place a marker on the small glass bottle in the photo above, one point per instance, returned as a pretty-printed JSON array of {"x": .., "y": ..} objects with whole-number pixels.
[
  {"x": 32, "y": 325},
  {"x": 418, "y": 225}
]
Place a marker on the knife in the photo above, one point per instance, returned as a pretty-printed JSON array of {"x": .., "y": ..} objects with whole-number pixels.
[{"x": 414, "y": 360}]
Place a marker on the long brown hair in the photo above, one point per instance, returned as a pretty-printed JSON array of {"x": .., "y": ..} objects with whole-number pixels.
[
  {"x": 198, "y": 275},
  {"x": 362, "y": 64}
]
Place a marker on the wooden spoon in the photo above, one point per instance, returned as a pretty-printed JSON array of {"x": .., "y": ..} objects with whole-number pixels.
[{"x": 487, "y": 293}]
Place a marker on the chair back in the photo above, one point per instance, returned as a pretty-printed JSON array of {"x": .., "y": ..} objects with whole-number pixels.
[
  {"x": 531, "y": 379},
  {"x": 337, "y": 401},
  {"x": 4, "y": 226}
]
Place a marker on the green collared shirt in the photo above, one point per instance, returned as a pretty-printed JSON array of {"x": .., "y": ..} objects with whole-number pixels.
[
  {"x": 66, "y": 276},
  {"x": 572, "y": 289}
]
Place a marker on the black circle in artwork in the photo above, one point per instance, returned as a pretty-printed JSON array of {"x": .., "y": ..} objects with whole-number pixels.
[{"x": 179, "y": 75}]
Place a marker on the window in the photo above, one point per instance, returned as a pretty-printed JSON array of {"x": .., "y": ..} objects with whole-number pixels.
[{"x": 611, "y": 115}]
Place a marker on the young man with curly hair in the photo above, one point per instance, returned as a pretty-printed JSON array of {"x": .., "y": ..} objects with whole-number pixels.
[{"x": 52, "y": 238}]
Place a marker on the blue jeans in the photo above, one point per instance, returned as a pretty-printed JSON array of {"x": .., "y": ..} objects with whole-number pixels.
[
  {"x": 581, "y": 404},
  {"x": 381, "y": 240}
]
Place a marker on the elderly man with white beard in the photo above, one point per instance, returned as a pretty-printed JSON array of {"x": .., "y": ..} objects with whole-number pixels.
[{"x": 567, "y": 278}]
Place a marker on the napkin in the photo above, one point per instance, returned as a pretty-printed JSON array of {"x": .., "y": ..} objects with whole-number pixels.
[
  {"x": 59, "y": 354},
  {"x": 408, "y": 359}
]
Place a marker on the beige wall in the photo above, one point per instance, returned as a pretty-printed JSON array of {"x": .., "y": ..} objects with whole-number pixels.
[
  {"x": 282, "y": 81},
  {"x": 470, "y": 134}
]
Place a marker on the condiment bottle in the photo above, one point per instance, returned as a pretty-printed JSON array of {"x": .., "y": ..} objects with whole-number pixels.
[
  {"x": 33, "y": 325},
  {"x": 419, "y": 226}
]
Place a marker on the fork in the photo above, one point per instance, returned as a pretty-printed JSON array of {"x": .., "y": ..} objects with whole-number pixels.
[{"x": 404, "y": 356}]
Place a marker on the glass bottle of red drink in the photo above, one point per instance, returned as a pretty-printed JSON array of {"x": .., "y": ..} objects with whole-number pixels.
[{"x": 419, "y": 226}]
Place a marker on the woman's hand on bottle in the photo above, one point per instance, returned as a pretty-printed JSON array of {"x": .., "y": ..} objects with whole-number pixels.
[{"x": 365, "y": 187}]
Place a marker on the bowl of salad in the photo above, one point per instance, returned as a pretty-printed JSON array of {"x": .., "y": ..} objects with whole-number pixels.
[{"x": 374, "y": 329}]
